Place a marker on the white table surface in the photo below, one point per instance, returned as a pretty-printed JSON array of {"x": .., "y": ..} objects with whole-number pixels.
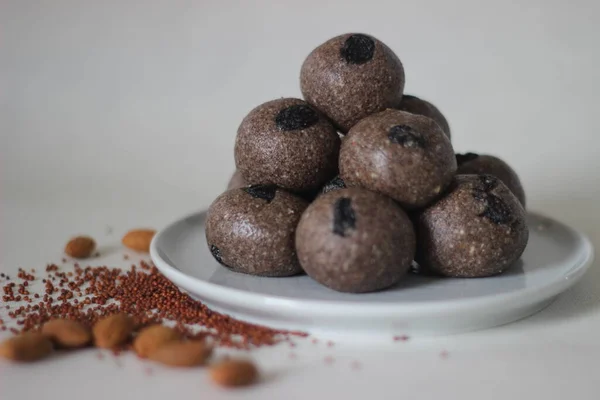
[{"x": 122, "y": 114}]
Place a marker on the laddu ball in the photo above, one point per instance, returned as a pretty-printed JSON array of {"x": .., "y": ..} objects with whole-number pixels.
[
  {"x": 477, "y": 229},
  {"x": 252, "y": 230},
  {"x": 287, "y": 143},
  {"x": 354, "y": 240},
  {"x": 351, "y": 77},
  {"x": 402, "y": 155}
]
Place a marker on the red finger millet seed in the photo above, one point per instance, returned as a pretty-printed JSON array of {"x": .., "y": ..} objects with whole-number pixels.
[
  {"x": 140, "y": 292},
  {"x": 401, "y": 338}
]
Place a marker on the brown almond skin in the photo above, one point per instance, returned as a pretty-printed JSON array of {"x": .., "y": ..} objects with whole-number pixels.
[
  {"x": 182, "y": 354},
  {"x": 26, "y": 347},
  {"x": 66, "y": 333},
  {"x": 80, "y": 247},
  {"x": 112, "y": 331},
  {"x": 138, "y": 239},
  {"x": 153, "y": 337},
  {"x": 233, "y": 373}
]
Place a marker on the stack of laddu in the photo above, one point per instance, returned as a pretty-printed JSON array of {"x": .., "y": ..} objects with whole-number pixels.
[{"x": 358, "y": 180}]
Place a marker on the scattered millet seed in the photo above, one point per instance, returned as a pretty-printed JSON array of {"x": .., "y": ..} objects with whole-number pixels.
[
  {"x": 141, "y": 292},
  {"x": 329, "y": 360},
  {"x": 444, "y": 354},
  {"x": 330, "y": 344},
  {"x": 401, "y": 338}
]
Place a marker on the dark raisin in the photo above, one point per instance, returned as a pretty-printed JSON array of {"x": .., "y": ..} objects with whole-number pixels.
[
  {"x": 405, "y": 136},
  {"x": 358, "y": 49},
  {"x": 463, "y": 158},
  {"x": 489, "y": 182},
  {"x": 344, "y": 218},
  {"x": 298, "y": 116},
  {"x": 496, "y": 210},
  {"x": 334, "y": 184},
  {"x": 214, "y": 250},
  {"x": 265, "y": 192},
  {"x": 479, "y": 194}
]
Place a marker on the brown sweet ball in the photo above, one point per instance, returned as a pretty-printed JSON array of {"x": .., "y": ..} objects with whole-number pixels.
[
  {"x": 477, "y": 229},
  {"x": 251, "y": 230},
  {"x": 471, "y": 163},
  {"x": 236, "y": 181},
  {"x": 415, "y": 105},
  {"x": 351, "y": 77},
  {"x": 287, "y": 143},
  {"x": 402, "y": 155},
  {"x": 354, "y": 240}
]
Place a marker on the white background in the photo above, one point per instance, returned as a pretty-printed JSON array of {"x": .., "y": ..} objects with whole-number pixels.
[{"x": 121, "y": 114}]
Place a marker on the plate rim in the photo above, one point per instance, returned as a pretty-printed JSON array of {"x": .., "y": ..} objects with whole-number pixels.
[{"x": 251, "y": 300}]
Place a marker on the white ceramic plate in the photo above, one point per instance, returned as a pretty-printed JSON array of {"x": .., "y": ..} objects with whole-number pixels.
[{"x": 556, "y": 257}]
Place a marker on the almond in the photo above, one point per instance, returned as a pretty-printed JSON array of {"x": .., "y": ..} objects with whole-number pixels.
[
  {"x": 112, "y": 331},
  {"x": 66, "y": 333},
  {"x": 153, "y": 337},
  {"x": 80, "y": 247},
  {"x": 138, "y": 239},
  {"x": 182, "y": 354},
  {"x": 230, "y": 373},
  {"x": 26, "y": 347}
]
